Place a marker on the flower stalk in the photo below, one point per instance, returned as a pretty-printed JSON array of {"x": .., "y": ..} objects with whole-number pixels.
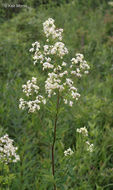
[
  {"x": 54, "y": 137},
  {"x": 59, "y": 83}
]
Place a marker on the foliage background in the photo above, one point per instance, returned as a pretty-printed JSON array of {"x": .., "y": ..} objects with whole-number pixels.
[{"x": 88, "y": 29}]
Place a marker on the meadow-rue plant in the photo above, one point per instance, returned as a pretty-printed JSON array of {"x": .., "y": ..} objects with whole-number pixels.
[
  {"x": 84, "y": 132},
  {"x": 7, "y": 150},
  {"x": 8, "y": 156},
  {"x": 60, "y": 81}
]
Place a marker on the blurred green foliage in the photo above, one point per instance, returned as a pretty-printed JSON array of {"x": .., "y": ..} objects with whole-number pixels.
[{"x": 88, "y": 29}]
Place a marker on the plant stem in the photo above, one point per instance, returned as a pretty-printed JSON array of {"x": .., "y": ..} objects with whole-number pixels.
[{"x": 54, "y": 137}]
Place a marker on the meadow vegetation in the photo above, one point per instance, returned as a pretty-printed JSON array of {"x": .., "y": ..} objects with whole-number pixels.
[{"x": 88, "y": 30}]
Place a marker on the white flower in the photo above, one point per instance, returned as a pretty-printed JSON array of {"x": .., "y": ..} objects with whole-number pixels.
[
  {"x": 70, "y": 103},
  {"x": 64, "y": 64},
  {"x": 65, "y": 101},
  {"x": 48, "y": 59},
  {"x": 69, "y": 82},
  {"x": 83, "y": 131},
  {"x": 31, "y": 50},
  {"x": 62, "y": 74},
  {"x": 75, "y": 95},
  {"x": 90, "y": 147},
  {"x": 74, "y": 61},
  {"x": 68, "y": 152},
  {"x": 86, "y": 72},
  {"x": 49, "y": 29},
  {"x": 46, "y": 49},
  {"x": 22, "y": 104},
  {"x": 44, "y": 101},
  {"x": 80, "y": 65},
  {"x": 47, "y": 65}
]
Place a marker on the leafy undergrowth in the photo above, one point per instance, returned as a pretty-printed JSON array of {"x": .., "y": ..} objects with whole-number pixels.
[{"x": 88, "y": 31}]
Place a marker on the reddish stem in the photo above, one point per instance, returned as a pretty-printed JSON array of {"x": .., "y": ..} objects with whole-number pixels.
[{"x": 54, "y": 138}]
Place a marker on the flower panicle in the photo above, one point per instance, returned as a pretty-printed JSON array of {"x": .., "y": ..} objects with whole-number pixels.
[
  {"x": 60, "y": 73},
  {"x": 8, "y": 150},
  {"x": 84, "y": 132}
]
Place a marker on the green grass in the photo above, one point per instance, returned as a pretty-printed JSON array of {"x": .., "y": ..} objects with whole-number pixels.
[{"x": 87, "y": 30}]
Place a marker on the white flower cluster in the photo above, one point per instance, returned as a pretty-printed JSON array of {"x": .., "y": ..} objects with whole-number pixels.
[
  {"x": 52, "y": 83},
  {"x": 68, "y": 152},
  {"x": 7, "y": 150},
  {"x": 29, "y": 89},
  {"x": 80, "y": 65},
  {"x": 72, "y": 91},
  {"x": 90, "y": 147},
  {"x": 59, "y": 79},
  {"x": 49, "y": 29},
  {"x": 32, "y": 105},
  {"x": 37, "y": 52},
  {"x": 83, "y": 130},
  {"x": 58, "y": 48},
  {"x": 35, "y": 46}
]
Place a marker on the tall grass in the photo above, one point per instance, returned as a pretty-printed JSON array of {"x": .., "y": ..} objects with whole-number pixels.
[{"x": 88, "y": 29}]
